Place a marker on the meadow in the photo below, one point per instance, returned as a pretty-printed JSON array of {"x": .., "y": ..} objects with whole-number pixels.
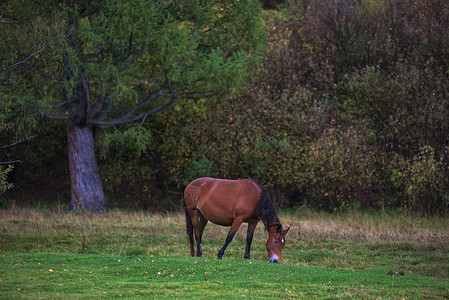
[{"x": 45, "y": 253}]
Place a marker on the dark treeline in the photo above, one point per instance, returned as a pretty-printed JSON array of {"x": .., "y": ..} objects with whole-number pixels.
[{"x": 349, "y": 109}]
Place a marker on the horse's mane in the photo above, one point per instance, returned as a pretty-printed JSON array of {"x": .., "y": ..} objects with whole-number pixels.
[{"x": 266, "y": 211}]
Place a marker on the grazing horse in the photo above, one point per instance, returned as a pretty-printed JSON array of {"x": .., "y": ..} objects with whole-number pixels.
[{"x": 230, "y": 203}]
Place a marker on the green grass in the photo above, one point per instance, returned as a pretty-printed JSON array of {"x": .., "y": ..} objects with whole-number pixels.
[
  {"x": 50, "y": 275},
  {"x": 45, "y": 254}
]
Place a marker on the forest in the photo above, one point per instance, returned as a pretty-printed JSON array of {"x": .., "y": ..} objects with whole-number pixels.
[{"x": 331, "y": 105}]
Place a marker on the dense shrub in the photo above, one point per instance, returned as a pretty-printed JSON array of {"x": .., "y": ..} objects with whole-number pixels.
[
  {"x": 349, "y": 108},
  {"x": 348, "y": 93},
  {"x": 424, "y": 182}
]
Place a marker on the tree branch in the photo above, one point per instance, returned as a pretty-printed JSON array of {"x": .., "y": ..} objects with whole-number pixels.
[
  {"x": 16, "y": 22},
  {"x": 3, "y": 82},
  {"x": 129, "y": 119},
  {"x": 135, "y": 57},
  {"x": 43, "y": 74},
  {"x": 144, "y": 103},
  {"x": 21, "y": 141},
  {"x": 52, "y": 116},
  {"x": 10, "y": 162},
  {"x": 106, "y": 107},
  {"x": 24, "y": 60},
  {"x": 100, "y": 99},
  {"x": 195, "y": 28},
  {"x": 140, "y": 52},
  {"x": 60, "y": 104},
  {"x": 86, "y": 97}
]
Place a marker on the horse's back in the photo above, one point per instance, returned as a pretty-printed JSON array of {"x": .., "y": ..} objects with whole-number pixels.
[{"x": 221, "y": 200}]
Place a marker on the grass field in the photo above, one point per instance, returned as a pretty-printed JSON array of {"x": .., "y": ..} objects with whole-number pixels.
[{"x": 46, "y": 254}]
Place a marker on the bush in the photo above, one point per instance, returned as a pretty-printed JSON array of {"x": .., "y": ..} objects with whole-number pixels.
[
  {"x": 4, "y": 184},
  {"x": 424, "y": 182},
  {"x": 338, "y": 169}
]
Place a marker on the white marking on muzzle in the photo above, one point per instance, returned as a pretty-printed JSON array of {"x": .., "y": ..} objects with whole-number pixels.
[{"x": 274, "y": 259}]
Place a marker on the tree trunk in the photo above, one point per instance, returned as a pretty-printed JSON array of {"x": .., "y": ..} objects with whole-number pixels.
[{"x": 87, "y": 188}]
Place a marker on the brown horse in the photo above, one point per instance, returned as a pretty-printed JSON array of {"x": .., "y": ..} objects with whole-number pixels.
[{"x": 230, "y": 203}]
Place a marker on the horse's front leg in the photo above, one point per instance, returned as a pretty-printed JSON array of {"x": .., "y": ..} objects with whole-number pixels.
[
  {"x": 249, "y": 238},
  {"x": 235, "y": 225}
]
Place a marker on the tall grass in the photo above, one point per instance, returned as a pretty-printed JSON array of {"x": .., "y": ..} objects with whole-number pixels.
[
  {"x": 350, "y": 240},
  {"x": 374, "y": 227}
]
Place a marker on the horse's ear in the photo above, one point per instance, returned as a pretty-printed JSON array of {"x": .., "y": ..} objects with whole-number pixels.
[{"x": 286, "y": 230}]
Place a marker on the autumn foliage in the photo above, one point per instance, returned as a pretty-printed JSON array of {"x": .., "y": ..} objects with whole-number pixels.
[{"x": 348, "y": 109}]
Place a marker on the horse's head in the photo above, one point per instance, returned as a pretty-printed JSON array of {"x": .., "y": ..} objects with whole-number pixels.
[{"x": 275, "y": 243}]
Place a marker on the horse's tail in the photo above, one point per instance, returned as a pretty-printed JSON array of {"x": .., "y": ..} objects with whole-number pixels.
[
  {"x": 189, "y": 229},
  {"x": 191, "y": 196}
]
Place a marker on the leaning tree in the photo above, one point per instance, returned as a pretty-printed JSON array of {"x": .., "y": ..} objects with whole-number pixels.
[{"x": 106, "y": 63}]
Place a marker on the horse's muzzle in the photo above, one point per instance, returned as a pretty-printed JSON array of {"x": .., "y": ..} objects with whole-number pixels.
[{"x": 274, "y": 259}]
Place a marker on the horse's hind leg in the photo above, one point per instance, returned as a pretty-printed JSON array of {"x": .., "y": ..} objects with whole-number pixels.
[
  {"x": 235, "y": 225},
  {"x": 199, "y": 228}
]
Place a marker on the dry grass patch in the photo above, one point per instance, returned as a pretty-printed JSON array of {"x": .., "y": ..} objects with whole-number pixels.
[
  {"x": 358, "y": 227},
  {"x": 308, "y": 226}
]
